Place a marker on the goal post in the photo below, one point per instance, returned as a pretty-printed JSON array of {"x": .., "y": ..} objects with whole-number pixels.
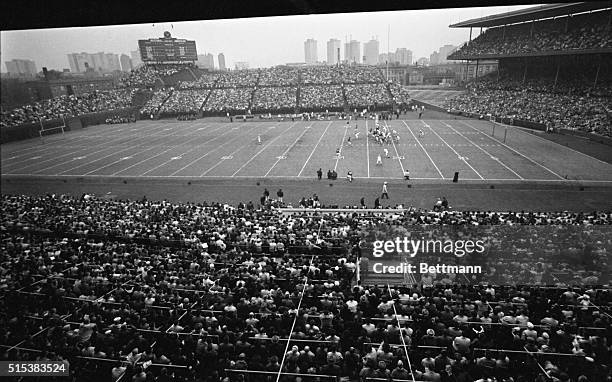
[{"x": 43, "y": 132}]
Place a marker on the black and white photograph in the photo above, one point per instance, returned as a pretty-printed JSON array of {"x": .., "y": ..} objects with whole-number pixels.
[{"x": 306, "y": 192}]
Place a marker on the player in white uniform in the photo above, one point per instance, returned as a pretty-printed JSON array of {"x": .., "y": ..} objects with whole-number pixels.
[
  {"x": 386, "y": 152},
  {"x": 259, "y": 140},
  {"x": 378, "y": 160}
]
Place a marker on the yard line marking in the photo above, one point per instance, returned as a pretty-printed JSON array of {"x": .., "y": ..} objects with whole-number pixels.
[
  {"x": 396, "y": 152},
  {"x": 106, "y": 156},
  {"x": 262, "y": 149},
  {"x": 75, "y": 152},
  {"x": 226, "y": 157},
  {"x": 165, "y": 151},
  {"x": 426, "y": 153},
  {"x": 483, "y": 150},
  {"x": 51, "y": 146},
  {"x": 535, "y": 134},
  {"x": 193, "y": 148},
  {"x": 284, "y": 154},
  {"x": 367, "y": 134},
  {"x": 20, "y": 166},
  {"x": 456, "y": 153},
  {"x": 314, "y": 149},
  {"x": 341, "y": 147},
  {"x": 519, "y": 153}
]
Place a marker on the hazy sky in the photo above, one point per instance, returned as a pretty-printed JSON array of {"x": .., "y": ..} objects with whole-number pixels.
[{"x": 262, "y": 42}]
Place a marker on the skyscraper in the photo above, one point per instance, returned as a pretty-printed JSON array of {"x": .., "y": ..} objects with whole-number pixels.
[
  {"x": 370, "y": 52},
  {"x": 444, "y": 52},
  {"x": 221, "y": 58},
  {"x": 333, "y": 51},
  {"x": 310, "y": 51},
  {"x": 403, "y": 56},
  {"x": 136, "y": 60},
  {"x": 102, "y": 62},
  {"x": 126, "y": 63},
  {"x": 17, "y": 67},
  {"x": 352, "y": 52},
  {"x": 206, "y": 61}
]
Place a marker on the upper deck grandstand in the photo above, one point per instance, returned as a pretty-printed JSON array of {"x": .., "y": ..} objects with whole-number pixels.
[{"x": 554, "y": 67}]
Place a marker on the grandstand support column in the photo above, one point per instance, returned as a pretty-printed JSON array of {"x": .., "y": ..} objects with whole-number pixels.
[
  {"x": 476, "y": 71},
  {"x": 597, "y": 72},
  {"x": 525, "y": 70},
  {"x": 470, "y": 40},
  {"x": 557, "y": 74}
]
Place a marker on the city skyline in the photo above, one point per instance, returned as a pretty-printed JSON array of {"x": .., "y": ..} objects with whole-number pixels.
[{"x": 262, "y": 42}]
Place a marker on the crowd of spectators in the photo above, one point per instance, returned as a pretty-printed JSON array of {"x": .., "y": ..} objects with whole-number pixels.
[
  {"x": 582, "y": 32},
  {"x": 152, "y": 106},
  {"x": 144, "y": 76},
  {"x": 537, "y": 101},
  {"x": 361, "y": 74},
  {"x": 320, "y": 75},
  {"x": 366, "y": 95},
  {"x": 278, "y": 76},
  {"x": 274, "y": 98},
  {"x": 321, "y": 97},
  {"x": 155, "y": 291},
  {"x": 119, "y": 119},
  {"x": 237, "y": 78},
  {"x": 67, "y": 106},
  {"x": 399, "y": 94},
  {"x": 236, "y": 99},
  {"x": 205, "y": 81},
  {"x": 184, "y": 102}
]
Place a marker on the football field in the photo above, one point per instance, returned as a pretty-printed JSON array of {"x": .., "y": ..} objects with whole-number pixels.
[{"x": 432, "y": 150}]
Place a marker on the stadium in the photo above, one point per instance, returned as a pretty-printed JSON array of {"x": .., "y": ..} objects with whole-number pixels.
[{"x": 187, "y": 224}]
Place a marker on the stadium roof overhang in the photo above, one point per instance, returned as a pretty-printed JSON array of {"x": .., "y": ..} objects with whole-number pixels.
[{"x": 533, "y": 13}]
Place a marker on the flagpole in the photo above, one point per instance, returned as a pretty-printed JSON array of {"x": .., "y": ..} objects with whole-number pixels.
[{"x": 388, "y": 49}]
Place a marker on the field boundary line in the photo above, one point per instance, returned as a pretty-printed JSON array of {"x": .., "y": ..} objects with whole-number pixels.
[
  {"x": 456, "y": 153},
  {"x": 534, "y": 133},
  {"x": 519, "y": 153},
  {"x": 483, "y": 150}
]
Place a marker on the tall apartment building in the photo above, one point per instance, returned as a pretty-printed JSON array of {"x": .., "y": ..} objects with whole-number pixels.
[
  {"x": 206, "y": 61},
  {"x": 221, "y": 58},
  {"x": 21, "y": 68},
  {"x": 370, "y": 52},
  {"x": 310, "y": 51},
  {"x": 126, "y": 63},
  {"x": 333, "y": 51},
  {"x": 352, "y": 52},
  {"x": 102, "y": 62}
]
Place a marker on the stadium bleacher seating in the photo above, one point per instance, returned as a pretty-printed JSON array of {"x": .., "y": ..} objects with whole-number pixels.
[
  {"x": 140, "y": 290},
  {"x": 581, "y": 32}
]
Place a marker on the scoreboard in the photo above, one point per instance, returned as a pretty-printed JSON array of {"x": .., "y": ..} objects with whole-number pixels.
[{"x": 167, "y": 49}]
